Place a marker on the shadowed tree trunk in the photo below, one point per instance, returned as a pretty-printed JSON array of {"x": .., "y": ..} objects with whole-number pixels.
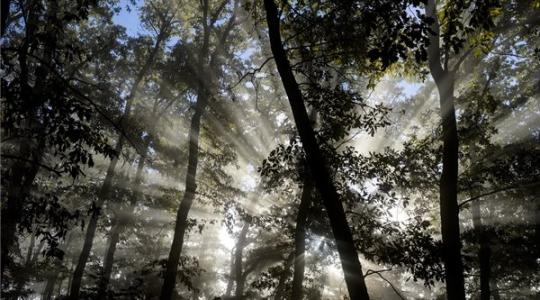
[
  {"x": 238, "y": 255},
  {"x": 52, "y": 276},
  {"x": 316, "y": 162},
  {"x": 484, "y": 254},
  {"x": 55, "y": 273},
  {"x": 107, "y": 183},
  {"x": 119, "y": 226},
  {"x": 444, "y": 79},
  {"x": 206, "y": 65},
  {"x": 536, "y": 191},
  {"x": 92, "y": 225},
  {"x": 187, "y": 199},
  {"x": 300, "y": 240},
  {"x": 230, "y": 283}
]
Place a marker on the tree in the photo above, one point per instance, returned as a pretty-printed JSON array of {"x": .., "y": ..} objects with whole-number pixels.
[
  {"x": 49, "y": 117},
  {"x": 207, "y": 66},
  {"x": 342, "y": 233}
]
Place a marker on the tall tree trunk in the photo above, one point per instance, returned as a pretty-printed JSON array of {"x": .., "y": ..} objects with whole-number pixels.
[
  {"x": 187, "y": 200},
  {"x": 536, "y": 192},
  {"x": 239, "y": 275},
  {"x": 206, "y": 66},
  {"x": 52, "y": 276},
  {"x": 484, "y": 254},
  {"x": 300, "y": 240},
  {"x": 340, "y": 228},
  {"x": 92, "y": 224},
  {"x": 120, "y": 224},
  {"x": 444, "y": 79},
  {"x": 107, "y": 183},
  {"x": 230, "y": 283},
  {"x": 4, "y": 15},
  {"x": 23, "y": 173}
]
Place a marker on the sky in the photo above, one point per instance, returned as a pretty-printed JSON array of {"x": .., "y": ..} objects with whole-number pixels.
[{"x": 129, "y": 18}]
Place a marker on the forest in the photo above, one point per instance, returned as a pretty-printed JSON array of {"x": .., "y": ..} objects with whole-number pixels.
[{"x": 272, "y": 149}]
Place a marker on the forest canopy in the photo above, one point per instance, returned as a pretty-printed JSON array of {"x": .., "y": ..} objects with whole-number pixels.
[{"x": 272, "y": 149}]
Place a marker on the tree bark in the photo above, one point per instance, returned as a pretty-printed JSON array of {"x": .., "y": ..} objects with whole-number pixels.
[
  {"x": 300, "y": 240},
  {"x": 444, "y": 79},
  {"x": 484, "y": 254},
  {"x": 230, "y": 284},
  {"x": 340, "y": 228},
  {"x": 187, "y": 200},
  {"x": 120, "y": 224},
  {"x": 107, "y": 183},
  {"x": 206, "y": 67},
  {"x": 92, "y": 224},
  {"x": 238, "y": 255}
]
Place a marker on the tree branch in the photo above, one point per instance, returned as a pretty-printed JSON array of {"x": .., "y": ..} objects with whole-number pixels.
[{"x": 503, "y": 189}]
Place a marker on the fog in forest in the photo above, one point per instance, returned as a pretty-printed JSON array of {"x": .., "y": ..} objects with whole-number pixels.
[{"x": 273, "y": 149}]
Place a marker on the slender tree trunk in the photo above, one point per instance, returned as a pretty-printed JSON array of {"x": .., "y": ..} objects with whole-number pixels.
[
  {"x": 92, "y": 224},
  {"x": 300, "y": 240},
  {"x": 23, "y": 173},
  {"x": 484, "y": 254},
  {"x": 49, "y": 287},
  {"x": 187, "y": 200},
  {"x": 340, "y": 228},
  {"x": 230, "y": 284},
  {"x": 238, "y": 255},
  {"x": 536, "y": 192},
  {"x": 444, "y": 79},
  {"x": 109, "y": 259},
  {"x": 107, "y": 183},
  {"x": 207, "y": 64},
  {"x": 120, "y": 224}
]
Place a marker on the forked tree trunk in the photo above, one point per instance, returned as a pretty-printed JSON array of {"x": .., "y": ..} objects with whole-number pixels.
[
  {"x": 444, "y": 79},
  {"x": 323, "y": 181}
]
